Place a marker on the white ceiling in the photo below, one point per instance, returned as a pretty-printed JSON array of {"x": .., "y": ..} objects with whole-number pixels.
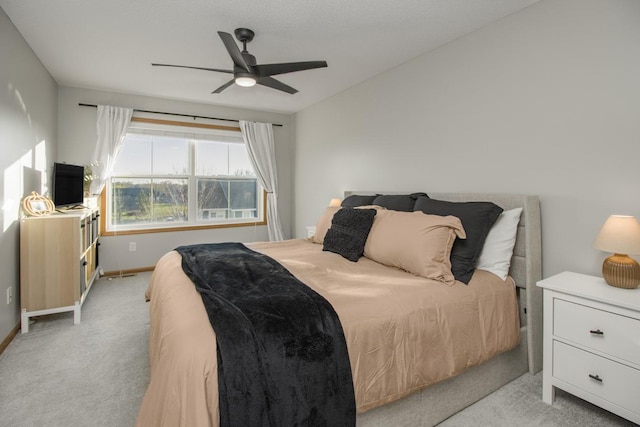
[{"x": 109, "y": 44}]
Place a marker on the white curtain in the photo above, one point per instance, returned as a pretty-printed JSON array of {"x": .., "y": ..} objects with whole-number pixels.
[
  {"x": 258, "y": 137},
  {"x": 112, "y": 126}
]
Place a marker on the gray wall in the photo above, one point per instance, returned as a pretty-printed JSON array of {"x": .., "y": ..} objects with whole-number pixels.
[
  {"x": 545, "y": 101},
  {"x": 77, "y": 134},
  {"x": 28, "y": 138}
]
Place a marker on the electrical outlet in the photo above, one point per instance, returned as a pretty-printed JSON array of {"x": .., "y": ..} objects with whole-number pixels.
[
  {"x": 132, "y": 246},
  {"x": 9, "y": 295}
]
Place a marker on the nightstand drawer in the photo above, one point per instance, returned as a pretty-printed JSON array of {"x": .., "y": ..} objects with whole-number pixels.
[
  {"x": 613, "y": 381},
  {"x": 609, "y": 333}
]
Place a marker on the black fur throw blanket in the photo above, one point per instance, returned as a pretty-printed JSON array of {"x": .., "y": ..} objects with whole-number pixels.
[{"x": 282, "y": 355}]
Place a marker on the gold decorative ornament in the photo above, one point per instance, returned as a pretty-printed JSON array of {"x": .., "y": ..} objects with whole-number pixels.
[{"x": 37, "y": 205}]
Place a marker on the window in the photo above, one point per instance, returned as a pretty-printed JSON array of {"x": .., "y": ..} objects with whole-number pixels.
[{"x": 165, "y": 181}]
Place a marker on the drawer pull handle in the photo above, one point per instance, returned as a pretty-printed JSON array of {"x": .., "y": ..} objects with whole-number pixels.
[
  {"x": 597, "y": 332},
  {"x": 595, "y": 377}
]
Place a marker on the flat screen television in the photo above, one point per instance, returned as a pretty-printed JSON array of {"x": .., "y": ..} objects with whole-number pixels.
[{"x": 68, "y": 185}]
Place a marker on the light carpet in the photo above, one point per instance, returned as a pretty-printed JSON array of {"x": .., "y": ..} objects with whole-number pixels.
[
  {"x": 96, "y": 373},
  {"x": 91, "y": 374}
]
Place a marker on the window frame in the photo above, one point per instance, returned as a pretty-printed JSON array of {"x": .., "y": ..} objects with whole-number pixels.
[{"x": 193, "y": 180}]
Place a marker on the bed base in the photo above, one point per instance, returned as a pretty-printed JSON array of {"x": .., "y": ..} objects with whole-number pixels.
[{"x": 438, "y": 402}]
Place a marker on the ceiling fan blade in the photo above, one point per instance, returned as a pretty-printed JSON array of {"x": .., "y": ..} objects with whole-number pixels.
[
  {"x": 265, "y": 70},
  {"x": 234, "y": 51},
  {"x": 224, "y": 86},
  {"x": 275, "y": 84},
  {"x": 195, "y": 68}
]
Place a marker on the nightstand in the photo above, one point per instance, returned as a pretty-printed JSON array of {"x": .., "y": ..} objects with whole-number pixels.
[{"x": 592, "y": 342}]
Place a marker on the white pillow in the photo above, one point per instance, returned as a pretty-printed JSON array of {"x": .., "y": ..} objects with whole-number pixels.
[{"x": 498, "y": 247}]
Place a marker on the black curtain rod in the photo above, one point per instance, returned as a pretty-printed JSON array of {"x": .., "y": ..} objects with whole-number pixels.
[{"x": 174, "y": 114}]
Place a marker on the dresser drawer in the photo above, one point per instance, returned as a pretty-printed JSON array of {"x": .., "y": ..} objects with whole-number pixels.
[
  {"x": 600, "y": 330},
  {"x": 619, "y": 383}
]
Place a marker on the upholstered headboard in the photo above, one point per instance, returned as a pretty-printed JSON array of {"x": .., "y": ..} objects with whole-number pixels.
[{"x": 526, "y": 263}]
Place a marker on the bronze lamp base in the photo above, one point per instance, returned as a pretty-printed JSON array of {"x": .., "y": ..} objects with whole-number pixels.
[{"x": 621, "y": 271}]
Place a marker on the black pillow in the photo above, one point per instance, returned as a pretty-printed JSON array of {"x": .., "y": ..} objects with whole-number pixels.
[
  {"x": 348, "y": 233},
  {"x": 477, "y": 219},
  {"x": 357, "y": 200},
  {"x": 399, "y": 202}
]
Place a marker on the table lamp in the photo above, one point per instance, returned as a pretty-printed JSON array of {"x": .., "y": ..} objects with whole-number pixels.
[
  {"x": 335, "y": 202},
  {"x": 620, "y": 235}
]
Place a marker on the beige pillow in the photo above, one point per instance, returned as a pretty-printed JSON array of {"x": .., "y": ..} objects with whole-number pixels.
[
  {"x": 324, "y": 224},
  {"x": 415, "y": 242}
]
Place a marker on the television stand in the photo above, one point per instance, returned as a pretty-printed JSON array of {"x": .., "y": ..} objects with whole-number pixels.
[{"x": 58, "y": 263}]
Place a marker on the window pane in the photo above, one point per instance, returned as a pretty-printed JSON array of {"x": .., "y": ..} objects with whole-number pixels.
[
  {"x": 170, "y": 200},
  {"x": 243, "y": 196},
  {"x": 222, "y": 198},
  {"x": 134, "y": 157},
  {"x": 213, "y": 199},
  {"x": 170, "y": 156},
  {"x": 130, "y": 201},
  {"x": 212, "y": 158},
  {"x": 143, "y": 201},
  {"x": 239, "y": 163}
]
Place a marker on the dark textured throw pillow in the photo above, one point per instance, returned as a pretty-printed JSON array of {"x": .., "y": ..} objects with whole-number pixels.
[
  {"x": 477, "y": 219},
  {"x": 355, "y": 200},
  {"x": 348, "y": 233},
  {"x": 398, "y": 202}
]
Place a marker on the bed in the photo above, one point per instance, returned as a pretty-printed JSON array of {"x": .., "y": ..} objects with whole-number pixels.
[{"x": 183, "y": 387}]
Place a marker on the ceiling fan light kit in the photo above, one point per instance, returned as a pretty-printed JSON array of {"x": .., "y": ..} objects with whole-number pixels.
[
  {"x": 246, "y": 72},
  {"x": 244, "y": 79}
]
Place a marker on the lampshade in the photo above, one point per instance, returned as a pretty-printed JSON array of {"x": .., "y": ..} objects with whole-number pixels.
[
  {"x": 620, "y": 234},
  {"x": 245, "y": 81},
  {"x": 335, "y": 202}
]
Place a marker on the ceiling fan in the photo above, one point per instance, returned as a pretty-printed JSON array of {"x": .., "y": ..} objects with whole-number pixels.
[{"x": 245, "y": 70}]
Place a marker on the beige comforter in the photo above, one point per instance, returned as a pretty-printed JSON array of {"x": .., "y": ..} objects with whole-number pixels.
[{"x": 403, "y": 332}]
